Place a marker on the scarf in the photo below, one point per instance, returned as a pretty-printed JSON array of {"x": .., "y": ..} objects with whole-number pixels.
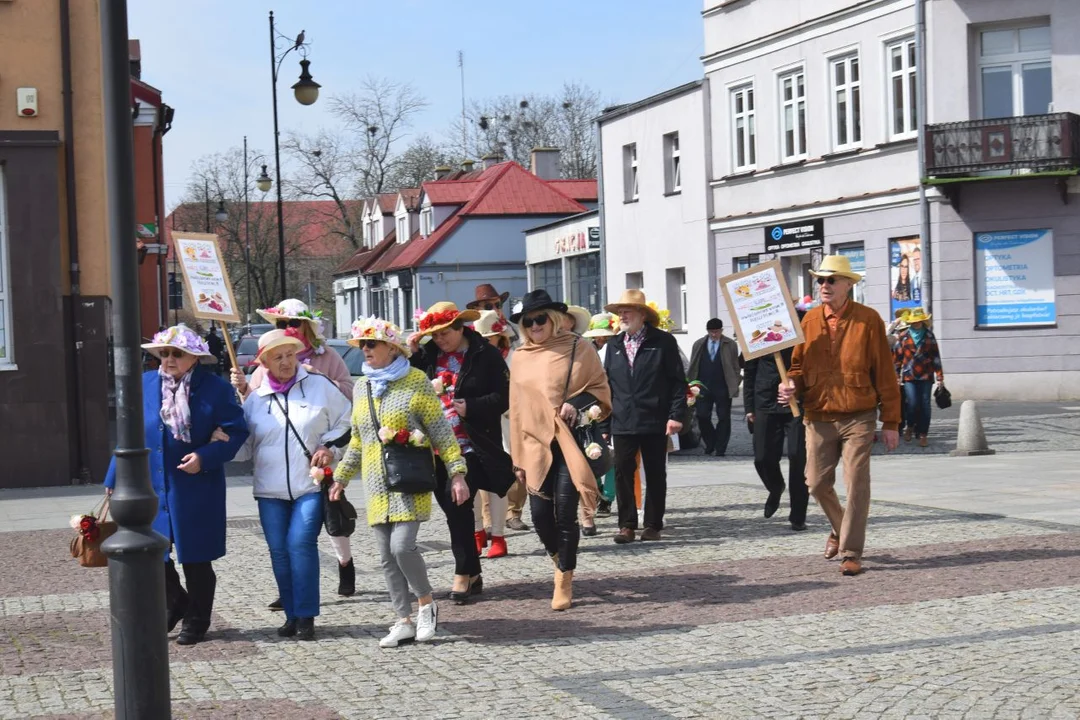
[
  {"x": 917, "y": 335},
  {"x": 279, "y": 386},
  {"x": 175, "y": 410},
  {"x": 380, "y": 378},
  {"x": 309, "y": 350}
]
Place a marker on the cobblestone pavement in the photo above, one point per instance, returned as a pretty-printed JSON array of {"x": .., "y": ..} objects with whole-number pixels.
[{"x": 731, "y": 616}]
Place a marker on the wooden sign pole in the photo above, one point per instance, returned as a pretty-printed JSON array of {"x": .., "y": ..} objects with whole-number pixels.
[
  {"x": 792, "y": 403},
  {"x": 228, "y": 344}
]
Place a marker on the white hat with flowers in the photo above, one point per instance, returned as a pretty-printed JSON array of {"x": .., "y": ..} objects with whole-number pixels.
[
  {"x": 373, "y": 328},
  {"x": 180, "y": 337},
  {"x": 293, "y": 309},
  {"x": 490, "y": 324}
]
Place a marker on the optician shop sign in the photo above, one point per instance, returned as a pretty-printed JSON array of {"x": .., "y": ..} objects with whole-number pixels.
[
  {"x": 577, "y": 242},
  {"x": 1014, "y": 278},
  {"x": 795, "y": 235}
]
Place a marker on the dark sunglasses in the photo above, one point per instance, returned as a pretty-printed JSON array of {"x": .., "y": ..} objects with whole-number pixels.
[
  {"x": 830, "y": 280},
  {"x": 497, "y": 305},
  {"x": 539, "y": 320},
  {"x": 369, "y": 344},
  {"x": 282, "y": 324},
  {"x": 172, "y": 353}
]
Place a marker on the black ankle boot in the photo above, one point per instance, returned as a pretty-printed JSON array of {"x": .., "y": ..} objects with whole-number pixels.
[
  {"x": 189, "y": 636},
  {"x": 288, "y": 629},
  {"x": 346, "y": 579},
  {"x": 305, "y": 628}
]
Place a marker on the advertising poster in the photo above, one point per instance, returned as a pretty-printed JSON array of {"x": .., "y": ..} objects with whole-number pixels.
[
  {"x": 205, "y": 277},
  {"x": 856, "y": 255},
  {"x": 1014, "y": 278},
  {"x": 905, "y": 273},
  {"x": 761, "y": 308}
]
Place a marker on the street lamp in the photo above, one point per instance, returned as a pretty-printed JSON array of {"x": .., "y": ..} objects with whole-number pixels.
[
  {"x": 306, "y": 91},
  {"x": 262, "y": 182},
  {"x": 221, "y": 215}
]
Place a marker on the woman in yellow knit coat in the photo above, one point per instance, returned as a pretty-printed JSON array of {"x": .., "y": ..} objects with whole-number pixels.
[{"x": 404, "y": 402}]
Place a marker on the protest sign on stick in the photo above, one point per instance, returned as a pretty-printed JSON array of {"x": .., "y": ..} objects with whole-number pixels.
[{"x": 207, "y": 281}]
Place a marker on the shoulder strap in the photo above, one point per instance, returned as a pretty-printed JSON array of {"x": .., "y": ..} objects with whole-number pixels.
[
  {"x": 292, "y": 427},
  {"x": 371, "y": 407},
  {"x": 569, "y": 371}
]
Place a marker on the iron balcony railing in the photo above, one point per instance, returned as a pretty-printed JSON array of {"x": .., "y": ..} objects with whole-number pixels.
[{"x": 1029, "y": 144}]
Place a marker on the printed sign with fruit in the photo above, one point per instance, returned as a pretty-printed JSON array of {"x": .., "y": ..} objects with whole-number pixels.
[
  {"x": 205, "y": 277},
  {"x": 761, "y": 310}
]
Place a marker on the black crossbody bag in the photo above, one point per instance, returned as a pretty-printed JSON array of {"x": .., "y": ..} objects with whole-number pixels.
[
  {"x": 410, "y": 469},
  {"x": 586, "y": 435},
  {"x": 339, "y": 516}
]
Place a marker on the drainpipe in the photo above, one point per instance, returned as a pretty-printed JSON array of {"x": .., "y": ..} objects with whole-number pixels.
[
  {"x": 923, "y": 118},
  {"x": 155, "y": 155},
  {"x": 600, "y": 206},
  {"x": 81, "y": 443}
]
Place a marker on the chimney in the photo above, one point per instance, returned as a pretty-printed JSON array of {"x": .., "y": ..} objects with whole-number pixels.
[
  {"x": 135, "y": 59},
  {"x": 491, "y": 160},
  {"x": 467, "y": 165},
  {"x": 442, "y": 172},
  {"x": 545, "y": 163}
]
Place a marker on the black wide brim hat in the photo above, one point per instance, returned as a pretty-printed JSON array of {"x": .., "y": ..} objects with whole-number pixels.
[{"x": 534, "y": 301}]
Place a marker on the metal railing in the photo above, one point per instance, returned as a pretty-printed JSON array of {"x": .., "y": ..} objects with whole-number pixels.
[{"x": 1031, "y": 143}]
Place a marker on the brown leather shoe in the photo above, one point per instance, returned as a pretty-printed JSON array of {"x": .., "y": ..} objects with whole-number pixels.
[
  {"x": 650, "y": 534},
  {"x": 923, "y": 442},
  {"x": 626, "y": 535},
  {"x": 850, "y": 566},
  {"x": 832, "y": 546}
]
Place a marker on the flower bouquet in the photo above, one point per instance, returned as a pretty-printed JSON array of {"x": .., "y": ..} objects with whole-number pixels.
[
  {"x": 443, "y": 383},
  {"x": 90, "y": 531},
  {"x": 388, "y": 436},
  {"x": 692, "y": 393}
]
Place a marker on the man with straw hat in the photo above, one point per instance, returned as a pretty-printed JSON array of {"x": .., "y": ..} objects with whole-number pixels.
[
  {"x": 844, "y": 376},
  {"x": 648, "y": 391}
]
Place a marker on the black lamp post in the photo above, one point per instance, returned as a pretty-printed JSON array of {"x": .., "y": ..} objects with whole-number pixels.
[
  {"x": 220, "y": 214},
  {"x": 263, "y": 182},
  {"x": 306, "y": 91},
  {"x": 136, "y": 571}
]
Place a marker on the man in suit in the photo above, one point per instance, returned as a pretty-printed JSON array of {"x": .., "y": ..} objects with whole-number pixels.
[
  {"x": 648, "y": 399},
  {"x": 714, "y": 362},
  {"x": 916, "y": 274}
]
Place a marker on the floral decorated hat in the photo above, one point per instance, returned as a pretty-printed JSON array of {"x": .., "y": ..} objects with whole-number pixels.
[
  {"x": 581, "y": 316},
  {"x": 373, "y": 328},
  {"x": 293, "y": 309},
  {"x": 180, "y": 337},
  {"x": 602, "y": 325},
  {"x": 442, "y": 315},
  {"x": 489, "y": 325}
]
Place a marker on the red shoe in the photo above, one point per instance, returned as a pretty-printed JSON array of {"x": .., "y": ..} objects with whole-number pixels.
[
  {"x": 481, "y": 541},
  {"x": 498, "y": 548}
]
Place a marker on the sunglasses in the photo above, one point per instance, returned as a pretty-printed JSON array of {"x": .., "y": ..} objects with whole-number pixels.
[
  {"x": 172, "y": 354},
  {"x": 369, "y": 344},
  {"x": 539, "y": 321},
  {"x": 830, "y": 280},
  {"x": 497, "y": 305},
  {"x": 282, "y": 324}
]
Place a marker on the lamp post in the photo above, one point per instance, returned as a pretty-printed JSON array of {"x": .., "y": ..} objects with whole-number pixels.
[
  {"x": 306, "y": 91},
  {"x": 263, "y": 182},
  {"x": 220, "y": 214},
  {"x": 136, "y": 571}
]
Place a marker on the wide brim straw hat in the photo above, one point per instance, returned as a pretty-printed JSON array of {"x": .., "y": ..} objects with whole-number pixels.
[
  {"x": 635, "y": 299},
  {"x": 838, "y": 266},
  {"x": 179, "y": 337},
  {"x": 489, "y": 325},
  {"x": 602, "y": 325},
  {"x": 442, "y": 315},
  {"x": 275, "y": 339},
  {"x": 582, "y": 318},
  {"x": 373, "y": 328}
]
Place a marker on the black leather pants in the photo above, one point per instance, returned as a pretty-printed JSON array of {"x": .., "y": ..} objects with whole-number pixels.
[
  {"x": 197, "y": 602},
  {"x": 555, "y": 516}
]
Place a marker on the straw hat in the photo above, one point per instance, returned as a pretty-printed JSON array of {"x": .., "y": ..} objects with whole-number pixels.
[
  {"x": 489, "y": 325},
  {"x": 373, "y": 328},
  {"x": 915, "y": 315},
  {"x": 276, "y": 338},
  {"x": 582, "y": 318},
  {"x": 180, "y": 337},
  {"x": 836, "y": 265},
  {"x": 602, "y": 325},
  {"x": 442, "y": 315},
  {"x": 635, "y": 299}
]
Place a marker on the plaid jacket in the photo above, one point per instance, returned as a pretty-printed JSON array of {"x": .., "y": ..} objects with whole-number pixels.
[{"x": 922, "y": 363}]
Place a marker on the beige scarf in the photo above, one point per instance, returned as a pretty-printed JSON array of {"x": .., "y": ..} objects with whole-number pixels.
[{"x": 537, "y": 382}]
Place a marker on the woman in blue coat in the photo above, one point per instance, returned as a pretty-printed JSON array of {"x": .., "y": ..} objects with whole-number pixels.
[{"x": 183, "y": 406}]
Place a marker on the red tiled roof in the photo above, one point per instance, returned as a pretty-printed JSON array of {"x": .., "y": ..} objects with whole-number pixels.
[
  {"x": 450, "y": 192},
  {"x": 513, "y": 190},
  {"x": 390, "y": 260},
  {"x": 388, "y": 203},
  {"x": 365, "y": 257},
  {"x": 580, "y": 190},
  {"x": 411, "y": 196},
  {"x": 418, "y": 248}
]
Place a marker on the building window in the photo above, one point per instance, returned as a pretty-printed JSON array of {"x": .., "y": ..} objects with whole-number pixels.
[
  {"x": 1014, "y": 72},
  {"x": 635, "y": 281},
  {"x": 548, "y": 276},
  {"x": 846, "y": 102},
  {"x": 584, "y": 273},
  {"x": 793, "y": 115},
  {"x": 672, "y": 164},
  {"x": 676, "y": 297},
  {"x": 900, "y": 57},
  {"x": 367, "y": 234},
  {"x": 856, "y": 254},
  {"x": 403, "y": 229},
  {"x": 630, "y": 172},
  {"x": 7, "y": 355},
  {"x": 176, "y": 291},
  {"x": 741, "y": 263},
  {"x": 427, "y": 218},
  {"x": 743, "y": 141}
]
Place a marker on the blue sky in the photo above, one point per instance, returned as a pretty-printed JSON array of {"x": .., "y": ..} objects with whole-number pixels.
[{"x": 211, "y": 58}]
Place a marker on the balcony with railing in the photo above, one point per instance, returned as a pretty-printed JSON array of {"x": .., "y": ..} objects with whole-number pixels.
[{"x": 1038, "y": 145}]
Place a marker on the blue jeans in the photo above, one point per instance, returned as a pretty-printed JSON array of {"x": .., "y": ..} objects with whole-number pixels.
[
  {"x": 291, "y": 529},
  {"x": 917, "y": 406}
]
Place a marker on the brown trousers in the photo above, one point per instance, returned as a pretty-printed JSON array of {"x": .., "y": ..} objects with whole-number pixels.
[
  {"x": 850, "y": 438},
  {"x": 516, "y": 496}
]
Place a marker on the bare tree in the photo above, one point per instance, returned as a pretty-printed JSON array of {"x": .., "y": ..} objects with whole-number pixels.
[
  {"x": 417, "y": 163},
  {"x": 326, "y": 166}
]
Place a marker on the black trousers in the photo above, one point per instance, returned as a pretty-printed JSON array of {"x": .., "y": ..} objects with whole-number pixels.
[
  {"x": 654, "y": 459},
  {"x": 555, "y": 515},
  {"x": 715, "y": 438},
  {"x": 197, "y": 602},
  {"x": 770, "y": 431},
  {"x": 459, "y": 518}
]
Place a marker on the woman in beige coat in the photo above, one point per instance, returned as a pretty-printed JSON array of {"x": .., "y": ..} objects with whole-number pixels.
[{"x": 552, "y": 387}]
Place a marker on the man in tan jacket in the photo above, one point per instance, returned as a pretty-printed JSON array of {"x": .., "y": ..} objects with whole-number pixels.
[{"x": 844, "y": 375}]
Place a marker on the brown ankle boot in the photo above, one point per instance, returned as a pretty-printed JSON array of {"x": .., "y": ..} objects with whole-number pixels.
[{"x": 564, "y": 590}]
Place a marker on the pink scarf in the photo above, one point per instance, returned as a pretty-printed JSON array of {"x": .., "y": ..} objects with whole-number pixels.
[
  {"x": 175, "y": 411},
  {"x": 309, "y": 350},
  {"x": 278, "y": 386}
]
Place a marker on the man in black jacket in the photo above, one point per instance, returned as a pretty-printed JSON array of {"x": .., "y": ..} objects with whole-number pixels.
[
  {"x": 714, "y": 361},
  {"x": 773, "y": 423},
  {"x": 648, "y": 398}
]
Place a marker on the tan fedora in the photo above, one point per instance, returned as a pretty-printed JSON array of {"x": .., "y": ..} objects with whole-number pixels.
[
  {"x": 836, "y": 265},
  {"x": 635, "y": 299}
]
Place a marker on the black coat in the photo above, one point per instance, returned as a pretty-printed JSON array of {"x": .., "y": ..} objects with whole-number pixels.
[
  {"x": 761, "y": 382},
  {"x": 484, "y": 383},
  {"x": 644, "y": 400}
]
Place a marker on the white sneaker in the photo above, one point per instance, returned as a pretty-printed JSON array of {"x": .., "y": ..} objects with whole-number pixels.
[
  {"x": 403, "y": 631},
  {"x": 427, "y": 621}
]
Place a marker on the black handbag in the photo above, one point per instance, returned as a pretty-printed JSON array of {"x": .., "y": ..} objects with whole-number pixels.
[
  {"x": 586, "y": 435},
  {"x": 410, "y": 470},
  {"x": 339, "y": 516},
  {"x": 942, "y": 397}
]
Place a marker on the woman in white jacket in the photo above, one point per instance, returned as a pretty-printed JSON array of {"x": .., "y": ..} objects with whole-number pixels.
[{"x": 298, "y": 421}]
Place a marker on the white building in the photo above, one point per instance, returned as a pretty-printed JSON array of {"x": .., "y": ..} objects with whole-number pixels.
[{"x": 563, "y": 257}]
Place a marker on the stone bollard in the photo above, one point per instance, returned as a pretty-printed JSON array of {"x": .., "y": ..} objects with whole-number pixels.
[{"x": 970, "y": 436}]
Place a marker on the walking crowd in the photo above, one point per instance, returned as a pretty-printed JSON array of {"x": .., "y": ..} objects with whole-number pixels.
[{"x": 477, "y": 412}]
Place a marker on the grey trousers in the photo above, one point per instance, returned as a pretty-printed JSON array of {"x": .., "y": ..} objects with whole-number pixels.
[{"x": 402, "y": 564}]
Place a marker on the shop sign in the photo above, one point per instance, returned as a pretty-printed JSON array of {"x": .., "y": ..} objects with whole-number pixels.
[
  {"x": 594, "y": 238},
  {"x": 1014, "y": 278},
  {"x": 795, "y": 235},
  {"x": 572, "y": 243}
]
